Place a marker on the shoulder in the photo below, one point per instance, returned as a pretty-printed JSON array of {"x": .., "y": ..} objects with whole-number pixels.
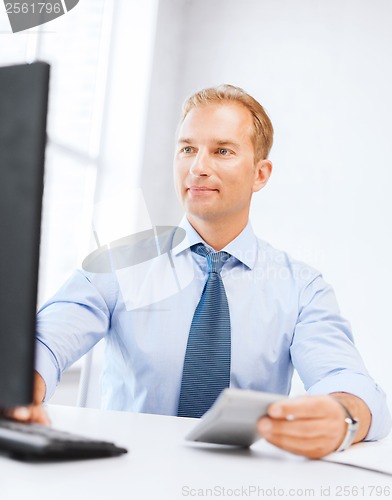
[
  {"x": 283, "y": 266},
  {"x": 291, "y": 278}
]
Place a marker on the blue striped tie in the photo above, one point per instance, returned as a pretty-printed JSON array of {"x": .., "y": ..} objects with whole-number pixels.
[{"x": 207, "y": 359}]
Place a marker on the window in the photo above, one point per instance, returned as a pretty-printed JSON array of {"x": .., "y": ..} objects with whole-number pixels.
[{"x": 100, "y": 53}]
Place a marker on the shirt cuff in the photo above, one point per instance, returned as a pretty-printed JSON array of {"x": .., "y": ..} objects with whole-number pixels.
[
  {"x": 365, "y": 388},
  {"x": 46, "y": 366}
]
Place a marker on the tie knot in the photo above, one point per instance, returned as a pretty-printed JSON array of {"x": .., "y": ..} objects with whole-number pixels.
[{"x": 215, "y": 260}]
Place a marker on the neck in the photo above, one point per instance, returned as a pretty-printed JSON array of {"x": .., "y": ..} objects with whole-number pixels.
[{"x": 218, "y": 233}]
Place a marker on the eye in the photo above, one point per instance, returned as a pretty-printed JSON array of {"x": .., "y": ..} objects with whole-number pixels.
[
  {"x": 223, "y": 151},
  {"x": 187, "y": 150}
]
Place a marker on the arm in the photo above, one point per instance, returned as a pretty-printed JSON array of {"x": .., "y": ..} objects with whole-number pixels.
[
  {"x": 71, "y": 323},
  {"x": 324, "y": 354},
  {"x": 67, "y": 326}
]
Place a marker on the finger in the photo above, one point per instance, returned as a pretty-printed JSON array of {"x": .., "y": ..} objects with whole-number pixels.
[
  {"x": 32, "y": 413},
  {"x": 304, "y": 407},
  {"x": 304, "y": 428},
  {"x": 307, "y": 446},
  {"x": 311, "y": 438},
  {"x": 21, "y": 413}
]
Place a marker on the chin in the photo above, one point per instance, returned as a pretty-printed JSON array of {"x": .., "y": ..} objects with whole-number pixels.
[{"x": 205, "y": 215}]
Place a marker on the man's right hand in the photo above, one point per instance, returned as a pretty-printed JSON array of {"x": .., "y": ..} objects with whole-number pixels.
[{"x": 34, "y": 412}]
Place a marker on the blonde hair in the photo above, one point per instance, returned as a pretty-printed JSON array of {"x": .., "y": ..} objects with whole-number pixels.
[{"x": 262, "y": 136}]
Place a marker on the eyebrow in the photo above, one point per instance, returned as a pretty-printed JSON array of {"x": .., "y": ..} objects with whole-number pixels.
[
  {"x": 184, "y": 140},
  {"x": 218, "y": 142}
]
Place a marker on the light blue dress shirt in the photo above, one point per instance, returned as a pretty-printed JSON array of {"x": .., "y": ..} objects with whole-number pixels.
[{"x": 283, "y": 316}]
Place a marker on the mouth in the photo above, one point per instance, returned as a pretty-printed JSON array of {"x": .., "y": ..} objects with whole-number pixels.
[{"x": 201, "y": 189}]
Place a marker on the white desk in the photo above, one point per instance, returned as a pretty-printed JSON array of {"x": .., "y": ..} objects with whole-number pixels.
[{"x": 161, "y": 465}]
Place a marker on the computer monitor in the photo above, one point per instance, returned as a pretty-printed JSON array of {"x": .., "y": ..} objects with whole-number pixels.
[{"x": 23, "y": 110}]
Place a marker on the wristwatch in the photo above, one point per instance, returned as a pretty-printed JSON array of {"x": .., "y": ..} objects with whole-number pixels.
[{"x": 352, "y": 427}]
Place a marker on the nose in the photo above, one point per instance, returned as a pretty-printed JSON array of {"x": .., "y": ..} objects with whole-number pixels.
[{"x": 200, "y": 164}]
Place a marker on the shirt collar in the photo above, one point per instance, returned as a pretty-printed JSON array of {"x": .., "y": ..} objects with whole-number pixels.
[{"x": 243, "y": 247}]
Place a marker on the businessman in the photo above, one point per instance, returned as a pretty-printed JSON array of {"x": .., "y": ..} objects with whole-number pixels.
[{"x": 249, "y": 316}]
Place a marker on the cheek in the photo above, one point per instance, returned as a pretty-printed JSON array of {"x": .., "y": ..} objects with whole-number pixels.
[
  {"x": 237, "y": 179},
  {"x": 241, "y": 186}
]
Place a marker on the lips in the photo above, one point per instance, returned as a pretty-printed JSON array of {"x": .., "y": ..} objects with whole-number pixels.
[{"x": 200, "y": 189}]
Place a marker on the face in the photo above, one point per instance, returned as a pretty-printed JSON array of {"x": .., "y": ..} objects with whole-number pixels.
[{"x": 214, "y": 169}]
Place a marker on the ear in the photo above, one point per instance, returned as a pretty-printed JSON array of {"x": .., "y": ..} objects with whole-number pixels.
[{"x": 263, "y": 171}]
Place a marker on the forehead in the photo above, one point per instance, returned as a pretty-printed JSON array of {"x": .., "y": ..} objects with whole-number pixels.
[{"x": 229, "y": 121}]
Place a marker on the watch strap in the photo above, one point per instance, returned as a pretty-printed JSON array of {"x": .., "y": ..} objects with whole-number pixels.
[{"x": 352, "y": 428}]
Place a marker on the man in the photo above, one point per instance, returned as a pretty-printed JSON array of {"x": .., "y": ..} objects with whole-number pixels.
[{"x": 278, "y": 313}]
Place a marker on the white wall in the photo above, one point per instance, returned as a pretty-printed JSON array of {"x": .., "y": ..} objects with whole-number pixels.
[
  {"x": 164, "y": 106},
  {"x": 323, "y": 70}
]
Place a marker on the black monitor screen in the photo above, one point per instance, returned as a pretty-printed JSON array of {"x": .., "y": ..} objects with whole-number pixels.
[{"x": 23, "y": 109}]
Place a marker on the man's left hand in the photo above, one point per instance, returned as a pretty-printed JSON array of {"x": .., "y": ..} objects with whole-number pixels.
[{"x": 313, "y": 426}]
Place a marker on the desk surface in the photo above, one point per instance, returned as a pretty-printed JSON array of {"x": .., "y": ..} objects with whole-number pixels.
[{"x": 161, "y": 465}]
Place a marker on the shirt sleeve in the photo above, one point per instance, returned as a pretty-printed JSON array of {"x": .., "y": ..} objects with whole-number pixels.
[
  {"x": 71, "y": 323},
  {"x": 324, "y": 354}
]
